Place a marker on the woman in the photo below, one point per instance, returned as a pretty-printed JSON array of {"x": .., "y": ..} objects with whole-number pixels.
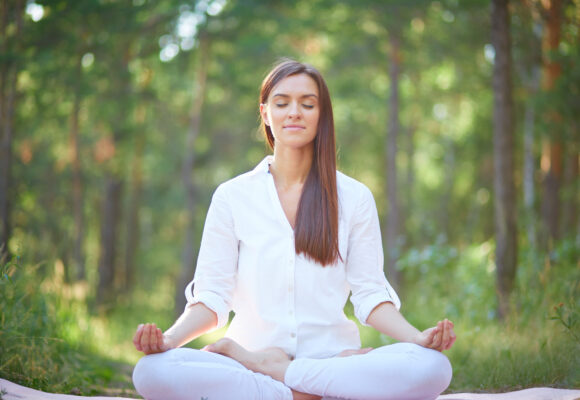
[{"x": 283, "y": 247}]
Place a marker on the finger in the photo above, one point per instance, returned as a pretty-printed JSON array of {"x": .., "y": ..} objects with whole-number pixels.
[
  {"x": 146, "y": 339},
  {"x": 426, "y": 337},
  {"x": 445, "y": 335},
  {"x": 137, "y": 337},
  {"x": 362, "y": 351},
  {"x": 153, "y": 339},
  {"x": 154, "y": 342},
  {"x": 435, "y": 341},
  {"x": 451, "y": 342},
  {"x": 452, "y": 338},
  {"x": 436, "y": 344},
  {"x": 210, "y": 347},
  {"x": 160, "y": 340}
]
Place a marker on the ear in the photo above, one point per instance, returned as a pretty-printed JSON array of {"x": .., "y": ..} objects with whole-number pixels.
[{"x": 264, "y": 113}]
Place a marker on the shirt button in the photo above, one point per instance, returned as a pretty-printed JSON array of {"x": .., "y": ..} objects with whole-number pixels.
[
  {"x": 290, "y": 288},
  {"x": 292, "y": 335},
  {"x": 290, "y": 312}
]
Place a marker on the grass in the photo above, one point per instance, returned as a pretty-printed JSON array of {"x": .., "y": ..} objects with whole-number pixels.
[
  {"x": 498, "y": 358},
  {"x": 51, "y": 340}
]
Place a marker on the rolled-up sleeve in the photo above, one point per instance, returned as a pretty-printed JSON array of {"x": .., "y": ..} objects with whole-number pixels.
[
  {"x": 365, "y": 260},
  {"x": 215, "y": 274}
]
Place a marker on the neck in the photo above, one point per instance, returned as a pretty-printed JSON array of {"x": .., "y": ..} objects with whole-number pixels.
[{"x": 291, "y": 166}]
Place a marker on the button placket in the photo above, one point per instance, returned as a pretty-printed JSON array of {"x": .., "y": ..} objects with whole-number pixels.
[{"x": 291, "y": 286}]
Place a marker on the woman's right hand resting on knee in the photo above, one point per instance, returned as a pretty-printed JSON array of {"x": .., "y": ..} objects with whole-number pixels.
[
  {"x": 196, "y": 320},
  {"x": 149, "y": 339}
]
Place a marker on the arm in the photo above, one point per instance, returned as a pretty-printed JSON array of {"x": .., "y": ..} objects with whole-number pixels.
[
  {"x": 375, "y": 302},
  {"x": 196, "y": 320},
  {"x": 388, "y": 320},
  {"x": 209, "y": 304}
]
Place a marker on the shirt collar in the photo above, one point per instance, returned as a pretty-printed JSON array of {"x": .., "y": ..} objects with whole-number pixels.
[{"x": 264, "y": 165}]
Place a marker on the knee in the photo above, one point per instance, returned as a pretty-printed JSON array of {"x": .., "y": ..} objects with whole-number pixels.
[
  {"x": 436, "y": 371},
  {"x": 148, "y": 376}
]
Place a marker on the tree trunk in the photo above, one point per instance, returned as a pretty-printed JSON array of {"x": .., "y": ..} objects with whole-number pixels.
[
  {"x": 121, "y": 88},
  {"x": 410, "y": 185},
  {"x": 132, "y": 241},
  {"x": 11, "y": 12},
  {"x": 188, "y": 254},
  {"x": 393, "y": 215},
  {"x": 552, "y": 150},
  {"x": 109, "y": 236},
  {"x": 505, "y": 194},
  {"x": 77, "y": 178},
  {"x": 570, "y": 195},
  {"x": 529, "y": 159}
]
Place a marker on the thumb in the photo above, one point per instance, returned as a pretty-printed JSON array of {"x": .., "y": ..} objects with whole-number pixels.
[{"x": 430, "y": 335}]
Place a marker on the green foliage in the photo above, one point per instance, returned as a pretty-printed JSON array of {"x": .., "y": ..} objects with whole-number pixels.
[
  {"x": 36, "y": 350},
  {"x": 569, "y": 316},
  {"x": 564, "y": 291},
  {"x": 443, "y": 281},
  {"x": 108, "y": 53},
  {"x": 54, "y": 343},
  {"x": 496, "y": 357},
  {"x": 457, "y": 282}
]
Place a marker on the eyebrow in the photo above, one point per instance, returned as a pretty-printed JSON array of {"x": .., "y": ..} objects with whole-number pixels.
[{"x": 302, "y": 97}]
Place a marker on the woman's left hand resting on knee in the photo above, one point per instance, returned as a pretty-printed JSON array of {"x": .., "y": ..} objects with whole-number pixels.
[
  {"x": 440, "y": 337},
  {"x": 388, "y": 320}
]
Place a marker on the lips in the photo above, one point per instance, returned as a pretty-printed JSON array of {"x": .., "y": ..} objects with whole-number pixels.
[{"x": 297, "y": 127}]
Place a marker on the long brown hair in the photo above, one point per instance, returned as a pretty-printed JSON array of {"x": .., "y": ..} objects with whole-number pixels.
[{"x": 316, "y": 229}]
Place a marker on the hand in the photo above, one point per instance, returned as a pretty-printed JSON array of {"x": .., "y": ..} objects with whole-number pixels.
[
  {"x": 440, "y": 337},
  {"x": 149, "y": 339},
  {"x": 348, "y": 353}
]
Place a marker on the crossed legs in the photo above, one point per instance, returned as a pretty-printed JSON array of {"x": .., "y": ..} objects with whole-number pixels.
[{"x": 402, "y": 371}]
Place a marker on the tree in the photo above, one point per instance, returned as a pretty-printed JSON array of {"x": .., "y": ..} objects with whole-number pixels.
[
  {"x": 188, "y": 253},
  {"x": 394, "y": 215},
  {"x": 503, "y": 138},
  {"x": 552, "y": 147},
  {"x": 11, "y": 21}
]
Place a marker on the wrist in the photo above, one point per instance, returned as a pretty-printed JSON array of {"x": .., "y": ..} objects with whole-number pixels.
[
  {"x": 416, "y": 339},
  {"x": 169, "y": 341}
]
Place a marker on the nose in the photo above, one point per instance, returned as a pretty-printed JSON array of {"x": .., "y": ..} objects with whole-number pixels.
[{"x": 294, "y": 111}]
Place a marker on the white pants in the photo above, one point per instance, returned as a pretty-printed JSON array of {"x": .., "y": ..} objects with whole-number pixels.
[{"x": 401, "y": 371}]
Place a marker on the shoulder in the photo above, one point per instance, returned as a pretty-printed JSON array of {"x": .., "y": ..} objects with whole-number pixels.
[
  {"x": 350, "y": 190},
  {"x": 242, "y": 184}
]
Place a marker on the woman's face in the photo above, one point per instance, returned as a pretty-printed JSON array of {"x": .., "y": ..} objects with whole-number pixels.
[{"x": 292, "y": 111}]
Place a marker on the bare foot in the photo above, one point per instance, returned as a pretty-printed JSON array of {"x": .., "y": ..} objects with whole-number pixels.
[
  {"x": 304, "y": 396},
  {"x": 348, "y": 353},
  {"x": 271, "y": 361}
]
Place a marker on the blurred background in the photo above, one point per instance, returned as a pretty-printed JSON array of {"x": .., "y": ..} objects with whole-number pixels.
[{"x": 120, "y": 117}]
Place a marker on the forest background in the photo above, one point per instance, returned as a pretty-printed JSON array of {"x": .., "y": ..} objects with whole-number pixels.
[{"x": 118, "y": 119}]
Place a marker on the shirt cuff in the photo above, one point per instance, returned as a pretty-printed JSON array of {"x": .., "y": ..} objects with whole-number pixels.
[
  {"x": 212, "y": 301},
  {"x": 364, "y": 309}
]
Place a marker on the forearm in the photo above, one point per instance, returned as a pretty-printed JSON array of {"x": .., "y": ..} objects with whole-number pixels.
[
  {"x": 388, "y": 320},
  {"x": 196, "y": 320}
]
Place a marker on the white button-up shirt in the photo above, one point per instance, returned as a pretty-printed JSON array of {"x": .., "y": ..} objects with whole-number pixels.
[{"x": 247, "y": 263}]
